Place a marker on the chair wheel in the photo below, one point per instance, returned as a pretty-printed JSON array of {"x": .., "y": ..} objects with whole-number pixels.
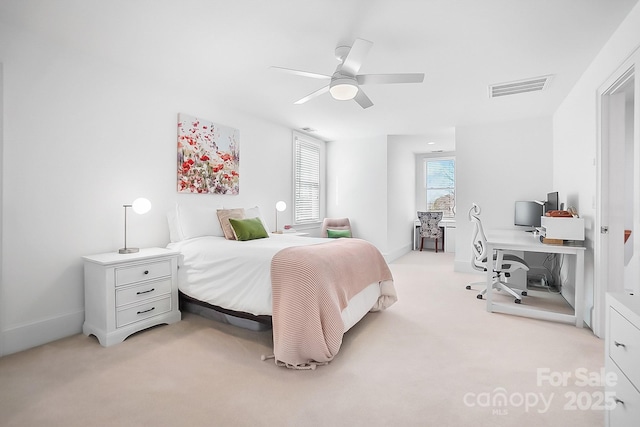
[
  {"x": 518, "y": 301},
  {"x": 479, "y": 296},
  {"x": 469, "y": 287},
  {"x": 524, "y": 293}
]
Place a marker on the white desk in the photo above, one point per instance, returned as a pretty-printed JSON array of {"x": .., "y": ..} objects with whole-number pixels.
[{"x": 528, "y": 242}]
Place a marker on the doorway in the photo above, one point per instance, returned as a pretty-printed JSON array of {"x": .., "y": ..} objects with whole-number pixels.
[{"x": 617, "y": 244}]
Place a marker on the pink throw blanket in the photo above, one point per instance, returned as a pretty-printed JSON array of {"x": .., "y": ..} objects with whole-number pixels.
[{"x": 311, "y": 286}]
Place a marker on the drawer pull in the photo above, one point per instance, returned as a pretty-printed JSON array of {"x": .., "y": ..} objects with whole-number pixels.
[
  {"x": 618, "y": 401},
  {"x": 146, "y": 311},
  {"x": 146, "y": 272},
  {"x": 619, "y": 344},
  {"x": 145, "y": 292}
]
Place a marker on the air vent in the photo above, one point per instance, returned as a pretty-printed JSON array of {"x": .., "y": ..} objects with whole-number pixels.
[
  {"x": 308, "y": 129},
  {"x": 522, "y": 86}
]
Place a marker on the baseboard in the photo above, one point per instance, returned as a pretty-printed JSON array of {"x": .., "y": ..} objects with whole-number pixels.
[
  {"x": 392, "y": 256},
  {"x": 41, "y": 332},
  {"x": 588, "y": 316}
]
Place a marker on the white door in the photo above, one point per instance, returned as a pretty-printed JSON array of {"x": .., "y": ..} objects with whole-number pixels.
[{"x": 617, "y": 262}]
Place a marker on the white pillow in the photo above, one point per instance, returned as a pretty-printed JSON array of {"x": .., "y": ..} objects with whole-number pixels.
[
  {"x": 254, "y": 212},
  {"x": 198, "y": 221}
]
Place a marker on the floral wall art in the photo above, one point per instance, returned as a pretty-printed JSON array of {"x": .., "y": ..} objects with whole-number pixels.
[{"x": 208, "y": 157}]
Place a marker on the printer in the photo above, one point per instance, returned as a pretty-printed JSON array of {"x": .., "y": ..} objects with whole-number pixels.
[{"x": 562, "y": 228}]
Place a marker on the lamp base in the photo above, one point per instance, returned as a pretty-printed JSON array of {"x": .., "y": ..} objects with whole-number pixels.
[{"x": 128, "y": 250}]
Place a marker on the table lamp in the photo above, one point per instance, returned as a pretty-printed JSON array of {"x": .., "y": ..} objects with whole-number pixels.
[
  {"x": 140, "y": 206},
  {"x": 280, "y": 207}
]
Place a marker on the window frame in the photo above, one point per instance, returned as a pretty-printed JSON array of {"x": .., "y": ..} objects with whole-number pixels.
[
  {"x": 297, "y": 138},
  {"x": 427, "y": 159}
]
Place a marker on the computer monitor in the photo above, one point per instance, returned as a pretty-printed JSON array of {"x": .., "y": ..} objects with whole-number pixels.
[
  {"x": 552, "y": 203},
  {"x": 528, "y": 213}
]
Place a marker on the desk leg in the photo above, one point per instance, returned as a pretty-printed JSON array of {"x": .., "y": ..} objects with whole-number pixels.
[
  {"x": 489, "y": 293},
  {"x": 414, "y": 237},
  {"x": 579, "y": 289}
]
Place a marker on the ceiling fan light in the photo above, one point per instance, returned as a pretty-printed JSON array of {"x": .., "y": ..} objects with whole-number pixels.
[{"x": 343, "y": 89}]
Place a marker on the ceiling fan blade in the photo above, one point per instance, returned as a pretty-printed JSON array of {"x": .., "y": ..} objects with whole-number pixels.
[
  {"x": 313, "y": 95},
  {"x": 302, "y": 73},
  {"x": 362, "y": 99},
  {"x": 356, "y": 55},
  {"x": 390, "y": 78}
]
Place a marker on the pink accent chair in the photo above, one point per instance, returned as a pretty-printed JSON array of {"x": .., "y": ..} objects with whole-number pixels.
[{"x": 335, "y": 224}]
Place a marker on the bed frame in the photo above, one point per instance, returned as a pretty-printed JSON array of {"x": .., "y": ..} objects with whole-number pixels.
[{"x": 213, "y": 312}]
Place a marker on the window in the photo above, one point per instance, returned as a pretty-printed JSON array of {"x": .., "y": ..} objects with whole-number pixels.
[
  {"x": 440, "y": 184},
  {"x": 307, "y": 160}
]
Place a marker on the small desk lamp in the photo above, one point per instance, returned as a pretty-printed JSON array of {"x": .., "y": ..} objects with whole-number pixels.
[
  {"x": 140, "y": 206},
  {"x": 280, "y": 207}
]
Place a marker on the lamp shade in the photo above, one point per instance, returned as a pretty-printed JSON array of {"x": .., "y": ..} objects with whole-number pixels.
[
  {"x": 141, "y": 206},
  {"x": 343, "y": 88}
]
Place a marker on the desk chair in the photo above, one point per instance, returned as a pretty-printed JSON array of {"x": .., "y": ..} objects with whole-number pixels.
[
  {"x": 504, "y": 264},
  {"x": 429, "y": 228}
]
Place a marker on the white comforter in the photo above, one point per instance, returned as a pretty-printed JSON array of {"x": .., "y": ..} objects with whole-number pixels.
[{"x": 231, "y": 274}]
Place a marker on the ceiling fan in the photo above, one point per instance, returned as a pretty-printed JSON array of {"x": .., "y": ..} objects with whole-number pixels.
[{"x": 345, "y": 83}]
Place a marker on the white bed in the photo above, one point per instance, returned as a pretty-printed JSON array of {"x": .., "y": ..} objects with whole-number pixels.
[
  {"x": 310, "y": 290},
  {"x": 236, "y": 275}
]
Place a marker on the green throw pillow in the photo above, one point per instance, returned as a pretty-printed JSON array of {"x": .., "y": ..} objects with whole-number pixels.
[
  {"x": 248, "y": 229},
  {"x": 338, "y": 233}
]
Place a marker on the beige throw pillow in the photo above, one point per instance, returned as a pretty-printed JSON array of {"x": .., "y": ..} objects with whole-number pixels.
[{"x": 223, "y": 217}]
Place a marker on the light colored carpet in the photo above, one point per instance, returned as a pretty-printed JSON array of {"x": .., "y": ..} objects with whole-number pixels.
[{"x": 435, "y": 358}]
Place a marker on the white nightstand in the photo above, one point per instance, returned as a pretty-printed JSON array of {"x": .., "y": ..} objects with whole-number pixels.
[{"x": 126, "y": 293}]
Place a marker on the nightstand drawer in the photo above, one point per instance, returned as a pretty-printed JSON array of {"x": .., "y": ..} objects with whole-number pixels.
[
  {"x": 137, "y": 273},
  {"x": 624, "y": 349},
  {"x": 141, "y": 292},
  {"x": 142, "y": 311}
]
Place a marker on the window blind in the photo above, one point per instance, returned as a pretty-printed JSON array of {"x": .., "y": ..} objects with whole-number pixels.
[
  {"x": 306, "y": 182},
  {"x": 440, "y": 185}
]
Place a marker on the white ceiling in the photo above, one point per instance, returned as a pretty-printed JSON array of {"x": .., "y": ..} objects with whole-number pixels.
[{"x": 224, "y": 49}]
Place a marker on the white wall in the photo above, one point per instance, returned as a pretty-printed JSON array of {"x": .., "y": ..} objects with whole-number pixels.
[
  {"x": 575, "y": 130},
  {"x": 2, "y": 297},
  {"x": 497, "y": 164},
  {"x": 357, "y": 186},
  {"x": 401, "y": 210},
  {"x": 81, "y": 138}
]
